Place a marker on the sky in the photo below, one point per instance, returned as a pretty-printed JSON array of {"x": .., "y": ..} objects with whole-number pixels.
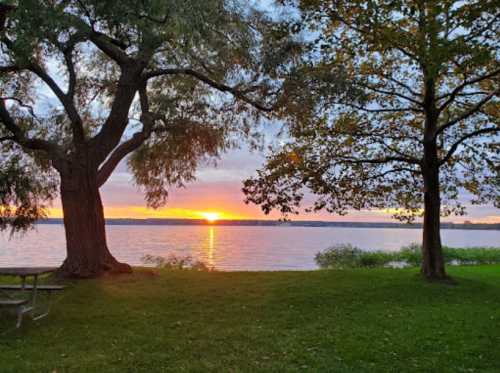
[{"x": 217, "y": 190}]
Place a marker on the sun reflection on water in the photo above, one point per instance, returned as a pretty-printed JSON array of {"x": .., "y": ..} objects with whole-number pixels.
[{"x": 211, "y": 246}]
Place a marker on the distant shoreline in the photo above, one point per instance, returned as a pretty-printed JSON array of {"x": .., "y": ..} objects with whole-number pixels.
[{"x": 274, "y": 223}]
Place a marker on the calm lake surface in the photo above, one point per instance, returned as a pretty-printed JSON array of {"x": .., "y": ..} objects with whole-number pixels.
[{"x": 226, "y": 247}]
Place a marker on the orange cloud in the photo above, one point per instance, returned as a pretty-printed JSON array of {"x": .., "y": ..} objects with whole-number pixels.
[{"x": 138, "y": 212}]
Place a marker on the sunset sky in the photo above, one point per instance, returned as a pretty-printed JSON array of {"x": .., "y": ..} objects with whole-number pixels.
[{"x": 218, "y": 190}]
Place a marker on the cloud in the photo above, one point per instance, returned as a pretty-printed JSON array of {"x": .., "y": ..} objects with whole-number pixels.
[{"x": 219, "y": 190}]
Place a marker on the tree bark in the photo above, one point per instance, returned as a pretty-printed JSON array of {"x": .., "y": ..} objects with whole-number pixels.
[
  {"x": 432, "y": 254},
  {"x": 87, "y": 250}
]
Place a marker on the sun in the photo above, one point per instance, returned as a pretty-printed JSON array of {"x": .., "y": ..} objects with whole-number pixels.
[{"x": 211, "y": 217}]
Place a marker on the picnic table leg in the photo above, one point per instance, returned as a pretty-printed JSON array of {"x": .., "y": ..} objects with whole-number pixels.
[
  {"x": 33, "y": 295},
  {"x": 20, "y": 312},
  {"x": 47, "y": 310}
]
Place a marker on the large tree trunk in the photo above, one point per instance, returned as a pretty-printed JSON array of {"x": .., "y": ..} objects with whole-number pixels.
[
  {"x": 432, "y": 251},
  {"x": 433, "y": 261},
  {"x": 87, "y": 251}
]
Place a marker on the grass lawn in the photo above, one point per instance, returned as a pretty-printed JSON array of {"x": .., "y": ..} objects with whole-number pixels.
[{"x": 365, "y": 320}]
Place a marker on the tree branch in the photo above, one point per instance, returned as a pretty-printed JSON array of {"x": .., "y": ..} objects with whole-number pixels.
[
  {"x": 453, "y": 94},
  {"x": 109, "y": 47},
  {"x": 212, "y": 83},
  {"x": 7, "y": 138},
  {"x": 4, "y": 10},
  {"x": 118, "y": 154},
  {"x": 20, "y": 138},
  {"x": 113, "y": 128},
  {"x": 399, "y": 153},
  {"x": 476, "y": 108},
  {"x": 366, "y": 110},
  {"x": 68, "y": 57},
  {"x": 66, "y": 101},
  {"x": 9, "y": 69},
  {"x": 368, "y": 31},
  {"x": 130, "y": 145},
  {"x": 455, "y": 146},
  {"x": 399, "y": 83},
  {"x": 113, "y": 48},
  {"x": 391, "y": 171},
  {"x": 383, "y": 160},
  {"x": 391, "y": 93},
  {"x": 22, "y": 104}
]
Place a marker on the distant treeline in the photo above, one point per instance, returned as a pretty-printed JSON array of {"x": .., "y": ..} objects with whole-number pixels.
[{"x": 273, "y": 223}]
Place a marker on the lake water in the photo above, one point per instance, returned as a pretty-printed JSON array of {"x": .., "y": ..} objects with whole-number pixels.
[{"x": 226, "y": 247}]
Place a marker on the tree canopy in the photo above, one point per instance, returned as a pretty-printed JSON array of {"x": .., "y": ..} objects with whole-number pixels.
[
  {"x": 363, "y": 147},
  {"x": 24, "y": 192},
  {"x": 173, "y": 81}
]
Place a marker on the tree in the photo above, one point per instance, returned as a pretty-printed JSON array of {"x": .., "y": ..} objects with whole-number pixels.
[
  {"x": 24, "y": 184},
  {"x": 418, "y": 127},
  {"x": 24, "y": 190},
  {"x": 165, "y": 84}
]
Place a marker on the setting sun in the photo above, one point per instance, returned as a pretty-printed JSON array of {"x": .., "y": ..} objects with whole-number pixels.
[{"x": 211, "y": 217}]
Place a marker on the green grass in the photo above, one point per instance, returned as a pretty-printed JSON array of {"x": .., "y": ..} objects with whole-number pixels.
[{"x": 362, "y": 320}]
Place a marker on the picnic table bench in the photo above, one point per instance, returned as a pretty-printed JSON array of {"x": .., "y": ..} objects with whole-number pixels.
[
  {"x": 18, "y": 304},
  {"x": 30, "y": 287},
  {"x": 24, "y": 306}
]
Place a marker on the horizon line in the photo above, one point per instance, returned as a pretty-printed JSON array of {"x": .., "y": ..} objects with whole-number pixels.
[{"x": 272, "y": 221}]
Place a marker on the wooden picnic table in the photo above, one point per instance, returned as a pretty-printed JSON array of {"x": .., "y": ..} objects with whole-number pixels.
[{"x": 24, "y": 273}]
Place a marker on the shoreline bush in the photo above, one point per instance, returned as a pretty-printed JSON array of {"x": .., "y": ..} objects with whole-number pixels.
[
  {"x": 176, "y": 263},
  {"x": 342, "y": 256}
]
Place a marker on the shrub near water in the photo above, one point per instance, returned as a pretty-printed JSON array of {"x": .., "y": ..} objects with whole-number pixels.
[
  {"x": 339, "y": 256},
  {"x": 176, "y": 263},
  {"x": 349, "y": 256}
]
